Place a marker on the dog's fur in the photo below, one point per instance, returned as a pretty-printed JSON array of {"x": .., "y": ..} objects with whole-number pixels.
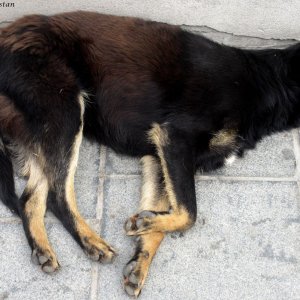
[{"x": 179, "y": 100}]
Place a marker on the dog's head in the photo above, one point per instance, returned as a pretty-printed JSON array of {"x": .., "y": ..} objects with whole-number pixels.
[
  {"x": 291, "y": 82},
  {"x": 293, "y": 60}
]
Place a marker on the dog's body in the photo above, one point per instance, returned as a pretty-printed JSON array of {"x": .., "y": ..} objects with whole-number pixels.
[{"x": 180, "y": 101}]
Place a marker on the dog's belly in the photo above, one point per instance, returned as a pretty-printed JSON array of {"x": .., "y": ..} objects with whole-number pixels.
[
  {"x": 127, "y": 137},
  {"x": 132, "y": 142},
  {"x": 123, "y": 121}
]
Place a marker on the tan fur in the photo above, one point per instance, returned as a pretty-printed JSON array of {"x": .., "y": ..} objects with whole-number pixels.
[
  {"x": 150, "y": 243},
  {"x": 151, "y": 191},
  {"x": 177, "y": 221},
  {"x": 159, "y": 137},
  {"x": 70, "y": 188},
  {"x": 34, "y": 164},
  {"x": 224, "y": 137}
]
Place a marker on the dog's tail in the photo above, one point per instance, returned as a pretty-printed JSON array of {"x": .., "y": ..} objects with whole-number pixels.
[{"x": 7, "y": 184}]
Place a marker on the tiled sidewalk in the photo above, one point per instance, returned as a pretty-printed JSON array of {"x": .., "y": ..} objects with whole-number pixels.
[{"x": 248, "y": 246}]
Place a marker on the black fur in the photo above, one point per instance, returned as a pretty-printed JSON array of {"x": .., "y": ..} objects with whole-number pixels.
[{"x": 7, "y": 186}]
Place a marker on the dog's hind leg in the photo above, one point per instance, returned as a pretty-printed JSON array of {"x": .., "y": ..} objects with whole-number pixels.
[
  {"x": 153, "y": 198},
  {"x": 62, "y": 201},
  {"x": 176, "y": 159},
  {"x": 32, "y": 211},
  {"x": 32, "y": 204}
]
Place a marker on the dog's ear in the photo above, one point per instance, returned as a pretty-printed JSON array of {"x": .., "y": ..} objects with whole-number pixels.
[{"x": 294, "y": 63}]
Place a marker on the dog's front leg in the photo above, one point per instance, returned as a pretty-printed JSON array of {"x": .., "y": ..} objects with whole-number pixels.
[
  {"x": 177, "y": 165},
  {"x": 176, "y": 159}
]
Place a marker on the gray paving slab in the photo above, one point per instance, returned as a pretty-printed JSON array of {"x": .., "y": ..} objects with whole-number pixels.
[
  {"x": 247, "y": 249},
  {"x": 121, "y": 164},
  {"x": 87, "y": 178},
  {"x": 20, "y": 279},
  {"x": 121, "y": 201}
]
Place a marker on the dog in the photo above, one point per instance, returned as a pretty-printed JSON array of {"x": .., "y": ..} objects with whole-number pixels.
[{"x": 178, "y": 100}]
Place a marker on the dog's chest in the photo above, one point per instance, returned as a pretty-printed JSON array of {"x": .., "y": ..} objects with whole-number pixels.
[
  {"x": 217, "y": 150},
  {"x": 224, "y": 140}
]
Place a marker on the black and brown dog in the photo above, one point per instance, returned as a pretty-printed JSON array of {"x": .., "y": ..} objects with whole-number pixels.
[{"x": 178, "y": 100}]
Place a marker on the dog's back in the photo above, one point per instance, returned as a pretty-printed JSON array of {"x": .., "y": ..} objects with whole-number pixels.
[{"x": 147, "y": 69}]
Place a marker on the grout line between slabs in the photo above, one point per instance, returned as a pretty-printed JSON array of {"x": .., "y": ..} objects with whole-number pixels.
[
  {"x": 215, "y": 178},
  {"x": 245, "y": 178},
  {"x": 99, "y": 215},
  {"x": 10, "y": 220},
  {"x": 17, "y": 220},
  {"x": 99, "y": 208}
]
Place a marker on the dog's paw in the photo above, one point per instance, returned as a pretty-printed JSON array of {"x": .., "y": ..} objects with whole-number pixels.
[
  {"x": 136, "y": 270},
  {"x": 133, "y": 278},
  {"x": 98, "y": 250},
  {"x": 46, "y": 259},
  {"x": 140, "y": 223}
]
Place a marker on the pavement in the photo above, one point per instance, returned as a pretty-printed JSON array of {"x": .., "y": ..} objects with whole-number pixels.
[{"x": 245, "y": 244}]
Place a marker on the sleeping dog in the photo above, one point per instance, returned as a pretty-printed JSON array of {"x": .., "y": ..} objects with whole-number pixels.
[{"x": 177, "y": 100}]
